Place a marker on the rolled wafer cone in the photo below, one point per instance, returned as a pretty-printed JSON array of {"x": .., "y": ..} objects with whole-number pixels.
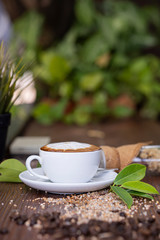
[
  {"x": 128, "y": 152},
  {"x": 122, "y": 156},
  {"x": 112, "y": 157}
]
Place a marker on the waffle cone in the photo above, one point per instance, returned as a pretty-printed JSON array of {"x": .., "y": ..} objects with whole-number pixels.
[
  {"x": 128, "y": 152},
  {"x": 112, "y": 157},
  {"x": 122, "y": 156}
]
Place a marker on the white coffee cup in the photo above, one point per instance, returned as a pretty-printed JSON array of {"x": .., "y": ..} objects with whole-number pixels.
[{"x": 76, "y": 165}]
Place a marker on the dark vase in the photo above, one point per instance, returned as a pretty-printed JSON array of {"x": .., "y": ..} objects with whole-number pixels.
[{"x": 4, "y": 123}]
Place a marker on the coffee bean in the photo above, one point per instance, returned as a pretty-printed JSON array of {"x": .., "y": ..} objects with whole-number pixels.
[
  {"x": 84, "y": 229},
  {"x": 21, "y": 219},
  {"x": 104, "y": 226},
  {"x": 54, "y": 216},
  {"x": 14, "y": 215},
  {"x": 52, "y": 224},
  {"x": 144, "y": 231},
  {"x": 93, "y": 222},
  {"x": 58, "y": 235},
  {"x": 141, "y": 219},
  {"x": 115, "y": 210},
  {"x": 151, "y": 220},
  {"x": 33, "y": 220},
  {"x": 73, "y": 231},
  {"x": 94, "y": 230},
  {"x": 122, "y": 214},
  {"x": 158, "y": 211},
  {"x": 4, "y": 231}
]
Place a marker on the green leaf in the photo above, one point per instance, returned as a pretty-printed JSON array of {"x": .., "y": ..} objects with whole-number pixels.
[
  {"x": 59, "y": 68},
  {"x": 13, "y": 164},
  {"x": 93, "y": 47},
  {"x": 120, "y": 111},
  {"x": 42, "y": 113},
  {"x": 92, "y": 81},
  {"x": 140, "y": 187},
  {"x": 133, "y": 172},
  {"x": 140, "y": 194},
  {"x": 29, "y": 28},
  {"x": 9, "y": 175},
  {"x": 124, "y": 195},
  {"x": 10, "y": 170},
  {"x": 57, "y": 110},
  {"x": 85, "y": 11},
  {"x": 53, "y": 67},
  {"x": 82, "y": 115}
]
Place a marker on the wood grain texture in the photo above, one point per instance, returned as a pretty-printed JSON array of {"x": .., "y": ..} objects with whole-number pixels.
[{"x": 20, "y": 197}]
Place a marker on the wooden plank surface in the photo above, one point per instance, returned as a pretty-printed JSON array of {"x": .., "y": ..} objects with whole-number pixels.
[
  {"x": 24, "y": 200},
  {"x": 113, "y": 133}
]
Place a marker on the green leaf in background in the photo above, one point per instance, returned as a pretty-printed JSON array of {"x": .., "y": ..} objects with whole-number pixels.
[
  {"x": 107, "y": 31},
  {"x": 43, "y": 114},
  {"x": 53, "y": 67},
  {"x": 92, "y": 48},
  {"x": 110, "y": 37},
  {"x": 25, "y": 40},
  {"x": 10, "y": 170},
  {"x": 123, "y": 194},
  {"x": 91, "y": 81},
  {"x": 57, "y": 110},
  {"x": 100, "y": 104},
  {"x": 140, "y": 187},
  {"x": 67, "y": 47},
  {"x": 139, "y": 194},
  {"x": 59, "y": 67},
  {"x": 66, "y": 89},
  {"x": 29, "y": 28},
  {"x": 46, "y": 113},
  {"x": 120, "y": 111},
  {"x": 85, "y": 11},
  {"x": 82, "y": 115},
  {"x": 133, "y": 172}
]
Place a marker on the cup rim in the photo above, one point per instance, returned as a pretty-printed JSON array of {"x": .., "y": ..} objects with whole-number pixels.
[{"x": 100, "y": 149}]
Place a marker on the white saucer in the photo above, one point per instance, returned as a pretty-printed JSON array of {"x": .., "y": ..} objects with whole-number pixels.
[{"x": 102, "y": 179}]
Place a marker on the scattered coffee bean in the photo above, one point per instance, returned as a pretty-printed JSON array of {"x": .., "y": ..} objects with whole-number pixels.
[
  {"x": 141, "y": 219},
  {"x": 84, "y": 229},
  {"x": 122, "y": 214},
  {"x": 4, "y": 231},
  {"x": 151, "y": 220},
  {"x": 21, "y": 219},
  {"x": 129, "y": 228},
  {"x": 14, "y": 215},
  {"x": 158, "y": 211},
  {"x": 144, "y": 231},
  {"x": 115, "y": 210},
  {"x": 33, "y": 219}
]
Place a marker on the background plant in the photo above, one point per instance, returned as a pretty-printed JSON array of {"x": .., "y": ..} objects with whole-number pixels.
[
  {"x": 104, "y": 66},
  {"x": 9, "y": 76}
]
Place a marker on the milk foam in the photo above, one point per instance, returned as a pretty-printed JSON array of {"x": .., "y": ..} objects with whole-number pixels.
[{"x": 68, "y": 145}]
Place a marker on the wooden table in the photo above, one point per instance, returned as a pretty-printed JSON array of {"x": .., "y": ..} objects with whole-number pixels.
[{"x": 19, "y": 197}]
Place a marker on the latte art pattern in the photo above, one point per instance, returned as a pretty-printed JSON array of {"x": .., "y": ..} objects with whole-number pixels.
[{"x": 70, "y": 147}]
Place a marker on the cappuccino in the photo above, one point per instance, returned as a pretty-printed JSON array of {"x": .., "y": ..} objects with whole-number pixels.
[
  {"x": 67, "y": 162},
  {"x": 70, "y": 147}
]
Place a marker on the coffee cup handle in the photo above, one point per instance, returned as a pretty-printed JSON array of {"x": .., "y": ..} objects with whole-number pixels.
[
  {"x": 103, "y": 160},
  {"x": 28, "y": 165}
]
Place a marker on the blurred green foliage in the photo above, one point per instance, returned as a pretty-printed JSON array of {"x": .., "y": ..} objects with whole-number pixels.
[
  {"x": 106, "y": 55},
  {"x": 25, "y": 41}
]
